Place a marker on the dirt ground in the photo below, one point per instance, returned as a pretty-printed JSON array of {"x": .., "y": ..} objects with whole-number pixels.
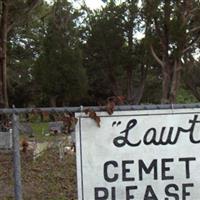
[{"x": 46, "y": 178}]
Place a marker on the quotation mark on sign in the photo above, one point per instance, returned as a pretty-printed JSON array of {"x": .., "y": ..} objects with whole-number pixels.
[{"x": 116, "y": 123}]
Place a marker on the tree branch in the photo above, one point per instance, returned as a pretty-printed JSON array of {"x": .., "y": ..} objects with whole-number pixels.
[
  {"x": 26, "y": 12},
  {"x": 160, "y": 35},
  {"x": 196, "y": 39},
  {"x": 195, "y": 29},
  {"x": 156, "y": 57}
]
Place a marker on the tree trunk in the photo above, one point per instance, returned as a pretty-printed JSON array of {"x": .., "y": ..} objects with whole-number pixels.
[
  {"x": 129, "y": 68},
  {"x": 175, "y": 81},
  {"x": 1, "y": 76},
  {"x": 129, "y": 82},
  {"x": 171, "y": 81},
  {"x": 52, "y": 101},
  {"x": 141, "y": 86},
  {"x": 166, "y": 84},
  {"x": 139, "y": 93},
  {"x": 115, "y": 88},
  {"x": 3, "y": 58}
]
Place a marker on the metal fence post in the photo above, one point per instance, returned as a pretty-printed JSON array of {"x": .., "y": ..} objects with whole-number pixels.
[{"x": 16, "y": 158}]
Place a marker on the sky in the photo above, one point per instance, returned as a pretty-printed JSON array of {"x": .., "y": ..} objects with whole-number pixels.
[{"x": 93, "y": 4}]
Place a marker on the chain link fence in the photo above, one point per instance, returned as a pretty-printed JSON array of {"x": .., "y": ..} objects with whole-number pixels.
[
  {"x": 37, "y": 151},
  {"x": 37, "y": 154}
]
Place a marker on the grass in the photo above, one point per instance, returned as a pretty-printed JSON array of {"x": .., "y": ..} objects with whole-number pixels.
[
  {"x": 47, "y": 178},
  {"x": 40, "y": 129}
]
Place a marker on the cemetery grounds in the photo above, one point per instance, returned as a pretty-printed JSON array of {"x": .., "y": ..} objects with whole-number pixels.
[{"x": 48, "y": 174}]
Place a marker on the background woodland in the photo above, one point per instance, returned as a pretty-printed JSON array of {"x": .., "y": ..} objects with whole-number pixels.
[{"x": 147, "y": 52}]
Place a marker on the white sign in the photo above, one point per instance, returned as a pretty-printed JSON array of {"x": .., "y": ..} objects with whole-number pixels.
[{"x": 142, "y": 155}]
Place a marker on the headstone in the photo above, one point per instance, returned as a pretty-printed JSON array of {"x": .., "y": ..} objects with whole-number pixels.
[
  {"x": 5, "y": 140},
  {"x": 40, "y": 148},
  {"x": 56, "y": 127},
  {"x": 26, "y": 128}
]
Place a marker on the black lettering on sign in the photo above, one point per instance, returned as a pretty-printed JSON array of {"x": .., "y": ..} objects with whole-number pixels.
[
  {"x": 126, "y": 170},
  {"x": 100, "y": 193},
  {"x": 150, "y": 194},
  {"x": 110, "y": 164},
  {"x": 120, "y": 141},
  {"x": 128, "y": 191},
  {"x": 158, "y": 138},
  {"x": 170, "y": 193},
  {"x": 187, "y": 165},
  {"x": 185, "y": 193},
  {"x": 147, "y": 170},
  {"x": 113, "y": 193},
  {"x": 152, "y": 136},
  {"x": 191, "y": 129},
  {"x": 166, "y": 169}
]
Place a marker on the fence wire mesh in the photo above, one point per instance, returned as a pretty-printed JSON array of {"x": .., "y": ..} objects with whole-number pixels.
[
  {"x": 47, "y": 156},
  {"x": 46, "y": 141}
]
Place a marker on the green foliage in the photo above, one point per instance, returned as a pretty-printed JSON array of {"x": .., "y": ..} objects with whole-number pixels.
[
  {"x": 104, "y": 49},
  {"x": 59, "y": 55},
  {"x": 153, "y": 87},
  {"x": 23, "y": 49},
  {"x": 185, "y": 96},
  {"x": 58, "y": 70}
]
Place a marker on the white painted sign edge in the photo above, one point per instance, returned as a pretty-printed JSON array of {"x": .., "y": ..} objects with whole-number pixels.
[{"x": 116, "y": 113}]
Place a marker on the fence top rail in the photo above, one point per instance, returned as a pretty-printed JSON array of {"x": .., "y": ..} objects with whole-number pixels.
[{"x": 98, "y": 108}]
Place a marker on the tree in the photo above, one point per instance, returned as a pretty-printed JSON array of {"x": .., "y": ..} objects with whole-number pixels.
[
  {"x": 103, "y": 50},
  {"x": 24, "y": 47},
  {"x": 58, "y": 72},
  {"x": 174, "y": 24},
  {"x": 12, "y": 12},
  {"x": 191, "y": 77},
  {"x": 135, "y": 61},
  {"x": 102, "y": 46},
  {"x": 116, "y": 61}
]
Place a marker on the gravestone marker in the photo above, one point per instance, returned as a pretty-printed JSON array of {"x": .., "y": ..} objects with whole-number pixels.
[
  {"x": 5, "y": 140},
  {"x": 56, "y": 126},
  {"x": 26, "y": 128}
]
